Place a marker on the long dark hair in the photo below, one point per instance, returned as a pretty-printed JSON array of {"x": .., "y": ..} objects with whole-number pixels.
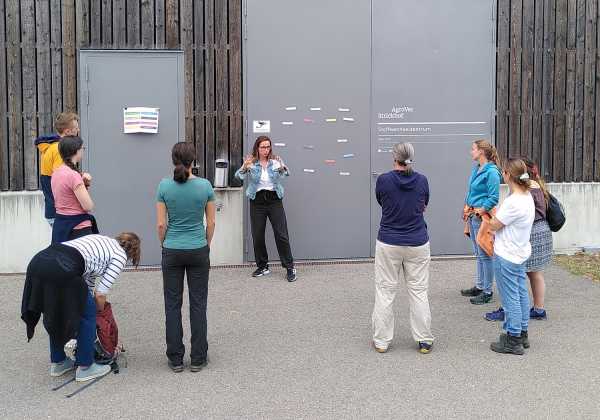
[
  {"x": 257, "y": 143},
  {"x": 534, "y": 174},
  {"x": 68, "y": 147},
  {"x": 183, "y": 155},
  {"x": 131, "y": 244}
]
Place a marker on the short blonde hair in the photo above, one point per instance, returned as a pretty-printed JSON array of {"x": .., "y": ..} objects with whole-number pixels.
[{"x": 63, "y": 121}]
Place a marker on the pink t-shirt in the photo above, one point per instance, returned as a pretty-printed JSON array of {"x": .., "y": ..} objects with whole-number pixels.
[{"x": 64, "y": 182}]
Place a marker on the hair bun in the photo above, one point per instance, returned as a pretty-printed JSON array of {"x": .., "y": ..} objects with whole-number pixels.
[{"x": 524, "y": 176}]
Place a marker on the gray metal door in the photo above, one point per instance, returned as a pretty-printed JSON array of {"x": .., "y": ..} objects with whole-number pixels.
[
  {"x": 306, "y": 64},
  {"x": 127, "y": 168},
  {"x": 433, "y": 81}
]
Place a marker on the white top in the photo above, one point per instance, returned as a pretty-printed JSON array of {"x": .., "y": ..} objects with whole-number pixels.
[
  {"x": 516, "y": 213},
  {"x": 104, "y": 258},
  {"x": 265, "y": 182}
]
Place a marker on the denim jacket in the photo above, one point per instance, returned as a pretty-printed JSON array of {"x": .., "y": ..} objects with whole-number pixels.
[
  {"x": 484, "y": 187},
  {"x": 252, "y": 175}
]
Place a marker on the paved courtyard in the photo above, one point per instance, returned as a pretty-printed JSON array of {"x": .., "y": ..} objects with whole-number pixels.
[{"x": 302, "y": 350}]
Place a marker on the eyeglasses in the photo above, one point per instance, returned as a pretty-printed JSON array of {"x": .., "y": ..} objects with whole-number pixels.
[{"x": 264, "y": 147}]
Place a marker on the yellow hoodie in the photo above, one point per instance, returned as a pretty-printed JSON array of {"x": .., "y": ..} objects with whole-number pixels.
[{"x": 50, "y": 158}]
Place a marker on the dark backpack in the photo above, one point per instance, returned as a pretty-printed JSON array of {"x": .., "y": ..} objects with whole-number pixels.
[{"x": 555, "y": 214}]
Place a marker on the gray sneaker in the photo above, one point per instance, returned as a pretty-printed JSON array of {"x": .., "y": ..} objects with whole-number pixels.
[
  {"x": 92, "y": 372},
  {"x": 59, "y": 369}
]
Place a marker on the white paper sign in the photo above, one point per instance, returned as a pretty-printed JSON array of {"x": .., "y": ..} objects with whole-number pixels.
[
  {"x": 261, "y": 126},
  {"x": 140, "y": 119}
]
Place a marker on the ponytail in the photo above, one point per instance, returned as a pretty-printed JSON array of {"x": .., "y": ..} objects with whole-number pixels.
[
  {"x": 490, "y": 152},
  {"x": 68, "y": 147},
  {"x": 182, "y": 155}
]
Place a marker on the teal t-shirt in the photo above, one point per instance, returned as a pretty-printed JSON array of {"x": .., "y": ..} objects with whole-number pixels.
[{"x": 185, "y": 208}]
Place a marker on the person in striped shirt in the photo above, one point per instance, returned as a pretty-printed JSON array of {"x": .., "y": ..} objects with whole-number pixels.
[{"x": 68, "y": 282}]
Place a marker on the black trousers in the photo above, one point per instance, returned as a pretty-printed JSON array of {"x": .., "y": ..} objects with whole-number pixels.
[
  {"x": 265, "y": 205},
  {"x": 195, "y": 264}
]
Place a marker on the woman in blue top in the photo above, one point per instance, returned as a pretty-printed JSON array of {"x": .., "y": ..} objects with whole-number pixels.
[
  {"x": 264, "y": 172},
  {"x": 182, "y": 204},
  {"x": 482, "y": 196}
]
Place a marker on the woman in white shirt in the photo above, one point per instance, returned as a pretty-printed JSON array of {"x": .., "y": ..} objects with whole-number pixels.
[
  {"x": 512, "y": 226},
  {"x": 263, "y": 172}
]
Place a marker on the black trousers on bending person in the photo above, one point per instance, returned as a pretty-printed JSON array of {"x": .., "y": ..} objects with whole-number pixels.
[
  {"x": 268, "y": 205},
  {"x": 195, "y": 264}
]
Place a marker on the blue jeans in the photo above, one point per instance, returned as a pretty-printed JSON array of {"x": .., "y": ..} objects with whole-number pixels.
[
  {"x": 485, "y": 265},
  {"x": 511, "y": 282},
  {"x": 85, "y": 338}
]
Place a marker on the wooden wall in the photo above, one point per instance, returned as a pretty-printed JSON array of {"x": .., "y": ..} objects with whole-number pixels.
[{"x": 39, "y": 42}]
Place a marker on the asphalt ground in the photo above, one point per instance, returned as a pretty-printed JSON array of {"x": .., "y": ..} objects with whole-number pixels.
[{"x": 303, "y": 350}]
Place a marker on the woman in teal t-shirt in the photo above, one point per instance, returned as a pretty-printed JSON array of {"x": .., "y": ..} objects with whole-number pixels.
[{"x": 182, "y": 204}]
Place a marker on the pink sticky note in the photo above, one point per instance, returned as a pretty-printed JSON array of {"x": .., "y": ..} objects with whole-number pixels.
[
  {"x": 309, "y": 120},
  {"x": 330, "y": 161}
]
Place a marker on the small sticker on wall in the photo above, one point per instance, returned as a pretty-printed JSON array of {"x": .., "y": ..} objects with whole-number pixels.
[
  {"x": 309, "y": 147},
  {"x": 330, "y": 120},
  {"x": 261, "y": 126},
  {"x": 290, "y": 108},
  {"x": 315, "y": 108},
  {"x": 349, "y": 119},
  {"x": 279, "y": 144},
  {"x": 309, "y": 171},
  {"x": 344, "y": 173},
  {"x": 330, "y": 161},
  {"x": 348, "y": 155},
  {"x": 344, "y": 109},
  {"x": 309, "y": 120},
  {"x": 342, "y": 140},
  {"x": 287, "y": 122}
]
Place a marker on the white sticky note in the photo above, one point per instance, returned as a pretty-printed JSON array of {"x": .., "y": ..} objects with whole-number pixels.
[
  {"x": 315, "y": 108},
  {"x": 348, "y": 155},
  {"x": 342, "y": 140},
  {"x": 287, "y": 122},
  {"x": 290, "y": 108},
  {"x": 279, "y": 144},
  {"x": 330, "y": 120},
  {"x": 349, "y": 119},
  {"x": 261, "y": 126},
  {"x": 309, "y": 147},
  {"x": 344, "y": 109},
  {"x": 309, "y": 171},
  {"x": 345, "y": 173}
]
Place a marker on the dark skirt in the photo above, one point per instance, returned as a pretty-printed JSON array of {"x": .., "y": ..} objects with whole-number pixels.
[{"x": 541, "y": 247}]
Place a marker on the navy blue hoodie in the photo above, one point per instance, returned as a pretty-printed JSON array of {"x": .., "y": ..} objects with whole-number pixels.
[{"x": 403, "y": 198}]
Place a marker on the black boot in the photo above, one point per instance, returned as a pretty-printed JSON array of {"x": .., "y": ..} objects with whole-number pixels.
[
  {"x": 525, "y": 339},
  {"x": 508, "y": 344}
]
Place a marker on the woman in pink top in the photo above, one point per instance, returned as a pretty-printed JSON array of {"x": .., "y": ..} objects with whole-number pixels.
[{"x": 71, "y": 197}]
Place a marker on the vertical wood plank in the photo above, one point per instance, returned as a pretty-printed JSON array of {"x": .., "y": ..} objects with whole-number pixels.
[
  {"x": 548, "y": 88},
  {"x": 199, "y": 108},
  {"x": 514, "y": 138},
  {"x": 235, "y": 89},
  {"x": 560, "y": 65},
  {"x": 4, "y": 175},
  {"x": 82, "y": 23},
  {"x": 536, "y": 146},
  {"x": 527, "y": 76},
  {"x": 589, "y": 89},
  {"x": 119, "y": 22},
  {"x": 596, "y": 174},
  {"x": 133, "y": 24},
  {"x": 56, "y": 54},
  {"x": 107, "y": 27},
  {"x": 187, "y": 43},
  {"x": 159, "y": 19},
  {"x": 209, "y": 68},
  {"x": 579, "y": 93},
  {"x": 570, "y": 89},
  {"x": 44, "y": 70},
  {"x": 172, "y": 23},
  {"x": 221, "y": 78},
  {"x": 95, "y": 24},
  {"x": 147, "y": 15},
  {"x": 29, "y": 86},
  {"x": 502, "y": 77},
  {"x": 15, "y": 120},
  {"x": 69, "y": 59}
]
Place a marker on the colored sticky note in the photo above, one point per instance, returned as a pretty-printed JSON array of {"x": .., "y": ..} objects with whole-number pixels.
[
  {"x": 290, "y": 108},
  {"x": 349, "y": 119},
  {"x": 309, "y": 147},
  {"x": 330, "y": 161},
  {"x": 279, "y": 144},
  {"x": 345, "y": 173},
  {"x": 309, "y": 171},
  {"x": 348, "y": 155},
  {"x": 342, "y": 140},
  {"x": 315, "y": 108},
  {"x": 344, "y": 109},
  {"x": 287, "y": 122},
  {"x": 309, "y": 120},
  {"x": 330, "y": 120}
]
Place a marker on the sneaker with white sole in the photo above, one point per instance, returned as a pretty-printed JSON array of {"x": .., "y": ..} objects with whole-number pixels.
[
  {"x": 92, "y": 372},
  {"x": 261, "y": 271},
  {"x": 59, "y": 369}
]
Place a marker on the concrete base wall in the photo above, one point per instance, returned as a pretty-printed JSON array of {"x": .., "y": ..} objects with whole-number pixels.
[{"x": 24, "y": 231}]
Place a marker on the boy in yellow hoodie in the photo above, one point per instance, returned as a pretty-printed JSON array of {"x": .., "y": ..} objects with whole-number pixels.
[{"x": 65, "y": 124}]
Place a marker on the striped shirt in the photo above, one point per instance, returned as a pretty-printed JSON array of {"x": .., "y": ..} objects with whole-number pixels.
[{"x": 104, "y": 260}]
